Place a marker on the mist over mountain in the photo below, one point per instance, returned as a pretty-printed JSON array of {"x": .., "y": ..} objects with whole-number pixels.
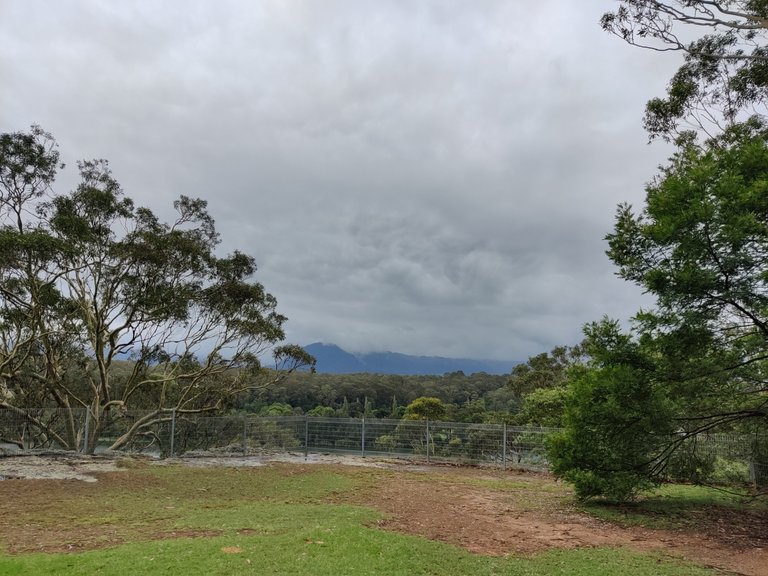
[{"x": 333, "y": 360}]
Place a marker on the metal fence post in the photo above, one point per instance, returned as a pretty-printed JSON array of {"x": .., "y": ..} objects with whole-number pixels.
[
  {"x": 504, "y": 446},
  {"x": 87, "y": 431},
  {"x": 306, "y": 437},
  {"x": 362, "y": 436},
  {"x": 173, "y": 429},
  {"x": 428, "y": 449},
  {"x": 245, "y": 434}
]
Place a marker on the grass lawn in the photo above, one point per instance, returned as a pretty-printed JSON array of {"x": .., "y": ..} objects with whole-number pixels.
[{"x": 267, "y": 520}]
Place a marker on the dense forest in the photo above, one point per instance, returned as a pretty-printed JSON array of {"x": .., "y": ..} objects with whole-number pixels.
[
  {"x": 533, "y": 393},
  {"x": 468, "y": 398}
]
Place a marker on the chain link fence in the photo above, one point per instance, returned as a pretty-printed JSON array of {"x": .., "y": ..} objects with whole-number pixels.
[{"x": 724, "y": 458}]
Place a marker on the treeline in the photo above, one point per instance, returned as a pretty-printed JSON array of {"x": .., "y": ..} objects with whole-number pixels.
[{"x": 477, "y": 397}]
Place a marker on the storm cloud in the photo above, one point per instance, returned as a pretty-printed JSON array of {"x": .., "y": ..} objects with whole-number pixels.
[{"x": 430, "y": 178}]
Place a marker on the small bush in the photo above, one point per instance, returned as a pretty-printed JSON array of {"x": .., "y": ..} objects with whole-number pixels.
[
  {"x": 685, "y": 465},
  {"x": 729, "y": 472},
  {"x": 614, "y": 486}
]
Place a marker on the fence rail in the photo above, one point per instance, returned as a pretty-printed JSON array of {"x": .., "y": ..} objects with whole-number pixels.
[{"x": 730, "y": 458}]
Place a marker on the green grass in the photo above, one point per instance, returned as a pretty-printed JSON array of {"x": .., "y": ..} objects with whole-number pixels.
[
  {"x": 323, "y": 541},
  {"x": 674, "y": 506},
  {"x": 268, "y": 520}
]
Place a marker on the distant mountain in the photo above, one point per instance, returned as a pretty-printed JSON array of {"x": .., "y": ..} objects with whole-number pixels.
[{"x": 333, "y": 360}]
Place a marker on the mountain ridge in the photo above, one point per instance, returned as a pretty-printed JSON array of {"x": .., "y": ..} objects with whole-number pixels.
[{"x": 332, "y": 359}]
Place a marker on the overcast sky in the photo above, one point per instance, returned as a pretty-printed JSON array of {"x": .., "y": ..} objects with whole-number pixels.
[{"x": 431, "y": 178}]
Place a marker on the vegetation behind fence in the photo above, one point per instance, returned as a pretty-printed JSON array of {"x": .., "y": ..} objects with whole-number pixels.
[
  {"x": 184, "y": 434},
  {"x": 726, "y": 458}
]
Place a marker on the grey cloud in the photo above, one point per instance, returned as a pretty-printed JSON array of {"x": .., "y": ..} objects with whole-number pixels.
[{"x": 425, "y": 177}]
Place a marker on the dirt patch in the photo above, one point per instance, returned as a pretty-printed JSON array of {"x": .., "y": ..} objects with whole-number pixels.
[
  {"x": 236, "y": 461},
  {"x": 533, "y": 515},
  {"x": 70, "y": 466},
  {"x": 41, "y": 498},
  {"x": 56, "y": 467}
]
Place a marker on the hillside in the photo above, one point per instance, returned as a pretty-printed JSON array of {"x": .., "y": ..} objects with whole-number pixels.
[{"x": 334, "y": 360}]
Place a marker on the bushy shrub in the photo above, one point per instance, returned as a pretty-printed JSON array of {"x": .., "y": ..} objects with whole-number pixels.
[
  {"x": 729, "y": 472},
  {"x": 386, "y": 443},
  {"x": 613, "y": 422}
]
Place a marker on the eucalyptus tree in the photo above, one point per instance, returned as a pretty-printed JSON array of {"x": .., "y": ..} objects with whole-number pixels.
[
  {"x": 88, "y": 278},
  {"x": 724, "y": 76}
]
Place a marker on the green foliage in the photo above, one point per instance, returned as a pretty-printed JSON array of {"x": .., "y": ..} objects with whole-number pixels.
[
  {"x": 325, "y": 411},
  {"x": 700, "y": 239},
  {"x": 88, "y": 277},
  {"x": 28, "y": 166},
  {"x": 277, "y": 409},
  {"x": 386, "y": 443},
  {"x": 268, "y": 435},
  {"x": 542, "y": 383},
  {"x": 729, "y": 472},
  {"x": 544, "y": 407},
  {"x": 696, "y": 363},
  {"x": 617, "y": 420},
  {"x": 468, "y": 398},
  {"x": 612, "y": 422},
  {"x": 546, "y": 370},
  {"x": 724, "y": 75},
  {"x": 425, "y": 408},
  {"x": 700, "y": 247},
  {"x": 687, "y": 465},
  {"x": 471, "y": 411}
]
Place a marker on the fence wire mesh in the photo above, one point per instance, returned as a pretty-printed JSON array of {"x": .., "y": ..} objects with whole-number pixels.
[
  {"x": 42, "y": 428},
  {"x": 730, "y": 458},
  {"x": 725, "y": 458}
]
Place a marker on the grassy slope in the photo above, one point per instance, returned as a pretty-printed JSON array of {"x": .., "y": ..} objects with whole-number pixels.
[{"x": 271, "y": 520}]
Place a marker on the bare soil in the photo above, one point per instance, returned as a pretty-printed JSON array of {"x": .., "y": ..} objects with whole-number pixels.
[
  {"x": 444, "y": 507},
  {"x": 489, "y": 512}
]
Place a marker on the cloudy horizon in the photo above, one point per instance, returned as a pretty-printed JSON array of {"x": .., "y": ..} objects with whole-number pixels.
[{"x": 432, "y": 178}]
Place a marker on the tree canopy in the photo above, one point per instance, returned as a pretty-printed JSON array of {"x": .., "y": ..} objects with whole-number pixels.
[
  {"x": 425, "y": 408},
  {"x": 88, "y": 278},
  {"x": 700, "y": 247},
  {"x": 542, "y": 383},
  {"x": 725, "y": 72},
  {"x": 697, "y": 361}
]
